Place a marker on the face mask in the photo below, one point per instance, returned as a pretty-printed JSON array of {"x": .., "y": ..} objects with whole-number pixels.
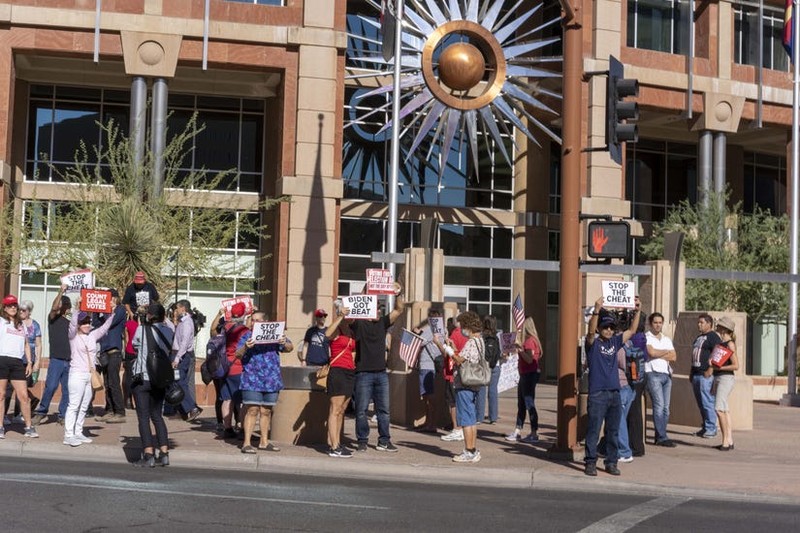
[{"x": 465, "y": 332}]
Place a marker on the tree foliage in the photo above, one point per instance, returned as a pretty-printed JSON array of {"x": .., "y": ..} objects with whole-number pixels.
[
  {"x": 112, "y": 220},
  {"x": 726, "y": 238}
]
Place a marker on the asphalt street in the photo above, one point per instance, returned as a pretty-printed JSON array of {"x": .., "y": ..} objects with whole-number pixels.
[{"x": 70, "y": 496}]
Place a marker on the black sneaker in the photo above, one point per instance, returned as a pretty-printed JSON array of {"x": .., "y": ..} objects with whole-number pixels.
[
  {"x": 386, "y": 447},
  {"x": 340, "y": 452},
  {"x": 147, "y": 460},
  {"x": 163, "y": 459},
  {"x": 666, "y": 443},
  {"x": 590, "y": 469},
  {"x": 362, "y": 447},
  {"x": 229, "y": 433},
  {"x": 612, "y": 469},
  {"x": 700, "y": 433}
]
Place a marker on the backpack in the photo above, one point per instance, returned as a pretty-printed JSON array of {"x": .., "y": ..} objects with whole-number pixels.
[
  {"x": 635, "y": 358},
  {"x": 159, "y": 366},
  {"x": 217, "y": 362},
  {"x": 492, "y": 353}
]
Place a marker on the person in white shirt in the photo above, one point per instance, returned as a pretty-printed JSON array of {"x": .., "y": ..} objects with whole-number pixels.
[{"x": 661, "y": 352}]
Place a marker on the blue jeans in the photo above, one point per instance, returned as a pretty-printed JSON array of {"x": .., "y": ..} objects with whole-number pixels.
[
  {"x": 705, "y": 401},
  {"x": 659, "y": 385},
  {"x": 626, "y": 396},
  {"x": 526, "y": 400},
  {"x": 57, "y": 374},
  {"x": 480, "y": 402},
  {"x": 372, "y": 386},
  {"x": 186, "y": 364},
  {"x": 603, "y": 405}
]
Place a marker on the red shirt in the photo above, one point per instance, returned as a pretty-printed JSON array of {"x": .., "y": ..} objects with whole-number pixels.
[
  {"x": 233, "y": 332},
  {"x": 131, "y": 326},
  {"x": 339, "y": 345},
  {"x": 531, "y": 344}
]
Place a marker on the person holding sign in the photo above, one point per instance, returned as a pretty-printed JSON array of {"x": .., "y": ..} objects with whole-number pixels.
[
  {"x": 261, "y": 380},
  {"x": 341, "y": 379},
  {"x": 430, "y": 330},
  {"x": 83, "y": 346},
  {"x": 724, "y": 380},
  {"x": 604, "y": 386},
  {"x": 528, "y": 365}
]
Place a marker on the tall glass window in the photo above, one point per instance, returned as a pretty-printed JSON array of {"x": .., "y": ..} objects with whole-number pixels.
[
  {"x": 62, "y": 120},
  {"x": 764, "y": 183},
  {"x": 661, "y": 25},
  {"x": 746, "y": 26},
  {"x": 483, "y": 290}
]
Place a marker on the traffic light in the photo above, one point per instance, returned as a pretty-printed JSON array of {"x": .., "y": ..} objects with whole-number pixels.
[
  {"x": 609, "y": 240},
  {"x": 620, "y": 113}
]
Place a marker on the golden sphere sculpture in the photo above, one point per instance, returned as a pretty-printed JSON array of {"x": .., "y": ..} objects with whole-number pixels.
[{"x": 461, "y": 66}]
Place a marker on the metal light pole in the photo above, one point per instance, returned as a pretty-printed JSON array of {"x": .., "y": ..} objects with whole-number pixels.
[{"x": 391, "y": 230}]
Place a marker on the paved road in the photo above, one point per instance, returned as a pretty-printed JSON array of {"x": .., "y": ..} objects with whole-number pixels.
[{"x": 67, "y": 496}]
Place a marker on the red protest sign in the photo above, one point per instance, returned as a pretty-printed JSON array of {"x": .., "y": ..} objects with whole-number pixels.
[
  {"x": 230, "y": 302},
  {"x": 379, "y": 281},
  {"x": 95, "y": 301},
  {"x": 720, "y": 355}
]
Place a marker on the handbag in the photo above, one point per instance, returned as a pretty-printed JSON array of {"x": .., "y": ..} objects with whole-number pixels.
[
  {"x": 159, "y": 367},
  {"x": 97, "y": 379},
  {"x": 475, "y": 374},
  {"x": 322, "y": 372}
]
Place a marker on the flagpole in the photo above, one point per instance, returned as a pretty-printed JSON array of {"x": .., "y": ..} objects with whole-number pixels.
[
  {"x": 795, "y": 212},
  {"x": 391, "y": 230}
]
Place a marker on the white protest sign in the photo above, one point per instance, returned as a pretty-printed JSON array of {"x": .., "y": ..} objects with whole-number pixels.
[
  {"x": 507, "y": 340},
  {"x": 268, "y": 332},
  {"x": 362, "y": 306},
  {"x": 619, "y": 294},
  {"x": 142, "y": 298},
  {"x": 379, "y": 281},
  {"x": 437, "y": 325},
  {"x": 80, "y": 279},
  {"x": 230, "y": 302},
  {"x": 509, "y": 374}
]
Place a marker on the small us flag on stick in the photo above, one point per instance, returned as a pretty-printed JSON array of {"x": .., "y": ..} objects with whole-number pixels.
[
  {"x": 518, "y": 312},
  {"x": 410, "y": 345}
]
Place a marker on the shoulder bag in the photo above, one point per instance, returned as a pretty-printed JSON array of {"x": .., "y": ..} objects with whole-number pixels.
[
  {"x": 475, "y": 374},
  {"x": 97, "y": 379},
  {"x": 322, "y": 373}
]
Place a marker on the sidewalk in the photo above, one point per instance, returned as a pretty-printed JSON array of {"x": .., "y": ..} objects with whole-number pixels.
[{"x": 763, "y": 466}]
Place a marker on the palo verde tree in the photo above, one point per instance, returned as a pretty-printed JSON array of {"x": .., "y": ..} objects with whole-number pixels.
[
  {"x": 724, "y": 237},
  {"x": 111, "y": 220}
]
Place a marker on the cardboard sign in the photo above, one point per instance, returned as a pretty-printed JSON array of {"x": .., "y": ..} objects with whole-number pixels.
[
  {"x": 619, "y": 294},
  {"x": 509, "y": 374},
  {"x": 268, "y": 332},
  {"x": 80, "y": 279},
  {"x": 379, "y": 281},
  {"x": 507, "y": 341},
  {"x": 437, "y": 326},
  {"x": 362, "y": 306},
  {"x": 720, "y": 355},
  {"x": 230, "y": 302},
  {"x": 142, "y": 298},
  {"x": 95, "y": 301}
]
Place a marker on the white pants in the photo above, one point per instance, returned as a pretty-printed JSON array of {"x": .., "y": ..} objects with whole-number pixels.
[{"x": 80, "y": 394}]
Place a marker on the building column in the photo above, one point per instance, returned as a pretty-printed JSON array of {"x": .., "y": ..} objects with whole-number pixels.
[
  {"x": 158, "y": 139},
  {"x": 137, "y": 126},
  {"x": 720, "y": 144},
  {"x": 704, "y": 166}
]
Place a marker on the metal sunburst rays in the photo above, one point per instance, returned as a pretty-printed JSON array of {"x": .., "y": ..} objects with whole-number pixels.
[{"x": 466, "y": 67}]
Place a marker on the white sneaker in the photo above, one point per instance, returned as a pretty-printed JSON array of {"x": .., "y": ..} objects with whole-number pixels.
[
  {"x": 625, "y": 459},
  {"x": 453, "y": 436},
  {"x": 72, "y": 441},
  {"x": 530, "y": 439},
  {"x": 467, "y": 457},
  {"x": 83, "y": 438},
  {"x": 513, "y": 436}
]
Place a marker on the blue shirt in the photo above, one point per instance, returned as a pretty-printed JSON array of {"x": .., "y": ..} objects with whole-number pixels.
[
  {"x": 113, "y": 339},
  {"x": 261, "y": 366},
  {"x": 601, "y": 356},
  {"x": 317, "y": 346}
]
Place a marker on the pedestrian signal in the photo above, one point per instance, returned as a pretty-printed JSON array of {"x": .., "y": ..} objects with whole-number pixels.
[{"x": 609, "y": 240}]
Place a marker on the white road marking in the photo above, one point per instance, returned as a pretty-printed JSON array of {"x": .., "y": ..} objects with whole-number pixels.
[
  {"x": 625, "y": 520},
  {"x": 128, "y": 488}
]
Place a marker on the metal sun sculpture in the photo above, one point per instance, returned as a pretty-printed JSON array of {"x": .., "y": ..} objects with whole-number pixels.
[{"x": 466, "y": 67}]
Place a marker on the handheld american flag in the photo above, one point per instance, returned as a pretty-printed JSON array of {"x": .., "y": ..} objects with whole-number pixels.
[
  {"x": 518, "y": 312},
  {"x": 410, "y": 345}
]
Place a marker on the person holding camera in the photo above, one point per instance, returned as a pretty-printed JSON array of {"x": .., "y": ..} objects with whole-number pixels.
[{"x": 149, "y": 398}]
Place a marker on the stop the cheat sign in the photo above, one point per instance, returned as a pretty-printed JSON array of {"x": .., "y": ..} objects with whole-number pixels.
[{"x": 95, "y": 301}]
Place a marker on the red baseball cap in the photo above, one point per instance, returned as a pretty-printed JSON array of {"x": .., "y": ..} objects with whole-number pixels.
[
  {"x": 237, "y": 310},
  {"x": 320, "y": 313},
  {"x": 10, "y": 300}
]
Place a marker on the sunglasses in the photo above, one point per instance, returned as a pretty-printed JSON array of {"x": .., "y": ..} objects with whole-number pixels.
[
  {"x": 12, "y": 305},
  {"x": 607, "y": 326}
]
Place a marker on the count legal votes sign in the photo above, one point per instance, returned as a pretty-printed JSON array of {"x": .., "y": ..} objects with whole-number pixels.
[{"x": 95, "y": 301}]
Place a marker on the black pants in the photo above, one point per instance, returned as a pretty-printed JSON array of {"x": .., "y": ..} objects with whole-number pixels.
[
  {"x": 635, "y": 422},
  {"x": 149, "y": 404},
  {"x": 127, "y": 385},
  {"x": 114, "y": 400}
]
